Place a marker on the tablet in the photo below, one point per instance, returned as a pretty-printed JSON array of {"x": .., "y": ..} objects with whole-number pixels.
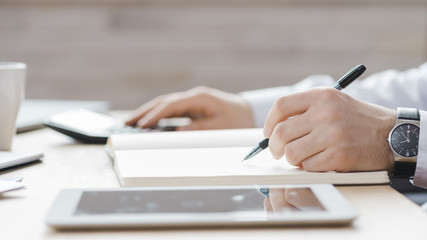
[{"x": 171, "y": 207}]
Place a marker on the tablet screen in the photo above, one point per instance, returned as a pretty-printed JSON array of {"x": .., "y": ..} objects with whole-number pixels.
[{"x": 264, "y": 200}]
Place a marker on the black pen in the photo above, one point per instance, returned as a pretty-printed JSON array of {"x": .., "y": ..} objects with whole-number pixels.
[{"x": 342, "y": 83}]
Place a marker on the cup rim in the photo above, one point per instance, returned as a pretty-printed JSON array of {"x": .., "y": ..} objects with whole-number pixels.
[{"x": 12, "y": 65}]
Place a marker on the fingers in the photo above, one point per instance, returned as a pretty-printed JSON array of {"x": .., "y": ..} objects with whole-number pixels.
[
  {"x": 336, "y": 157},
  {"x": 162, "y": 105},
  {"x": 171, "y": 105},
  {"x": 291, "y": 199},
  {"x": 197, "y": 101},
  {"x": 298, "y": 125},
  {"x": 277, "y": 199},
  {"x": 302, "y": 198},
  {"x": 284, "y": 108},
  {"x": 302, "y": 148},
  {"x": 142, "y": 110},
  {"x": 171, "y": 108},
  {"x": 208, "y": 108},
  {"x": 287, "y": 133},
  {"x": 267, "y": 205},
  {"x": 324, "y": 161}
]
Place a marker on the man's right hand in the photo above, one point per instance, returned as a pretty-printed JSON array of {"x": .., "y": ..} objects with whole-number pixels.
[{"x": 323, "y": 129}]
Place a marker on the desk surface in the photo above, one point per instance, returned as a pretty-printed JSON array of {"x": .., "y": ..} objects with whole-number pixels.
[{"x": 69, "y": 164}]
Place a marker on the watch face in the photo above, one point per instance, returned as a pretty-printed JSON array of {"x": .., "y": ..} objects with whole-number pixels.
[{"x": 404, "y": 140}]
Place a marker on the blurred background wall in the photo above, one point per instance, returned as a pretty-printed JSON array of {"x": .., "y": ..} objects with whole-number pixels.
[{"x": 128, "y": 51}]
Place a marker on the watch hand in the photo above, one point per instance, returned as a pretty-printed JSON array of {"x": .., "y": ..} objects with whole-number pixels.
[
  {"x": 415, "y": 132},
  {"x": 407, "y": 139}
]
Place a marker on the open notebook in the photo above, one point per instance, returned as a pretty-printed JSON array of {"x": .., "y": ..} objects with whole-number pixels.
[{"x": 212, "y": 158}]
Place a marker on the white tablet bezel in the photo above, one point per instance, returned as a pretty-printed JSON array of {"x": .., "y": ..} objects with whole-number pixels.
[{"x": 61, "y": 214}]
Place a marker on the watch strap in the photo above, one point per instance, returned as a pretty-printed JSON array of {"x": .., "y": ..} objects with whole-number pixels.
[
  {"x": 408, "y": 113},
  {"x": 404, "y": 169}
]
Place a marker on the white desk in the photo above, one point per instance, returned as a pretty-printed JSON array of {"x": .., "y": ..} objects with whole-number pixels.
[{"x": 383, "y": 212}]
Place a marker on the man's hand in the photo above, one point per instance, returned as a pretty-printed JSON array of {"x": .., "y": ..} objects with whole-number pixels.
[
  {"x": 209, "y": 109},
  {"x": 291, "y": 199},
  {"x": 323, "y": 129},
  {"x": 276, "y": 202}
]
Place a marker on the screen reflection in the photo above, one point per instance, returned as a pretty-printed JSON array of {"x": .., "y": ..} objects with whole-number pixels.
[
  {"x": 278, "y": 200},
  {"x": 259, "y": 201}
]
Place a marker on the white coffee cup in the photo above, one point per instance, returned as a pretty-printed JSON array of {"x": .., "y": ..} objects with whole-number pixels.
[{"x": 12, "y": 90}]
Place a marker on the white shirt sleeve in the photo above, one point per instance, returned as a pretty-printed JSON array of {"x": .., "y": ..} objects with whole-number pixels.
[
  {"x": 393, "y": 89},
  {"x": 390, "y": 89},
  {"x": 420, "y": 178}
]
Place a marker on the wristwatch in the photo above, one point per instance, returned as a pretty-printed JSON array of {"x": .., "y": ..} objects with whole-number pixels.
[{"x": 403, "y": 140}]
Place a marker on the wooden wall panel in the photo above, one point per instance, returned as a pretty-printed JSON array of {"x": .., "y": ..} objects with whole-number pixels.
[{"x": 130, "y": 51}]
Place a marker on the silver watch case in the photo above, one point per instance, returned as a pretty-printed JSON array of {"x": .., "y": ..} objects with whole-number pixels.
[{"x": 397, "y": 156}]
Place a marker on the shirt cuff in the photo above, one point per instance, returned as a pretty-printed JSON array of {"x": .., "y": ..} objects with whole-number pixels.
[{"x": 420, "y": 178}]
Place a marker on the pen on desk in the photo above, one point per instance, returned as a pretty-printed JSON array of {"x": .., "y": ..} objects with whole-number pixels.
[{"x": 342, "y": 83}]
